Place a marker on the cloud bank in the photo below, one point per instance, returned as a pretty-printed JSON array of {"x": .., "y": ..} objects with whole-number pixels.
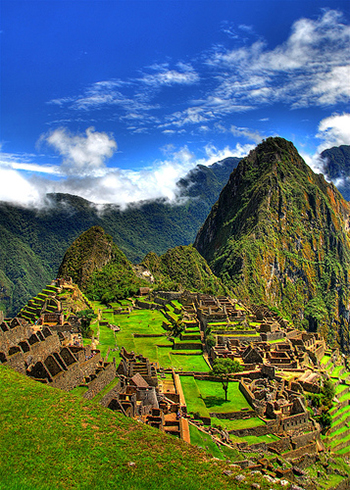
[{"x": 84, "y": 172}]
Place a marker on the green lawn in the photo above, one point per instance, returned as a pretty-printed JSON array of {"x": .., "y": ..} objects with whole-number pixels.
[
  {"x": 255, "y": 439},
  {"x": 144, "y": 322},
  {"x": 208, "y": 396},
  {"x": 336, "y": 371},
  {"x": 343, "y": 410},
  {"x": 340, "y": 388},
  {"x": 204, "y": 441},
  {"x": 237, "y": 424}
]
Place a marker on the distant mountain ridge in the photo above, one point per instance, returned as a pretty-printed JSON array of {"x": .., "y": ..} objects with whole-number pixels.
[
  {"x": 337, "y": 167},
  {"x": 45, "y": 234},
  {"x": 279, "y": 235}
]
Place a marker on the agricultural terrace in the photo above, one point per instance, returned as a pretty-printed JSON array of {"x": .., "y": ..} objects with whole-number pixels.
[
  {"x": 204, "y": 397},
  {"x": 157, "y": 349},
  {"x": 338, "y": 435}
]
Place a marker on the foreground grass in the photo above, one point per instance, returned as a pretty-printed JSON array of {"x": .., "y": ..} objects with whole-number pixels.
[{"x": 53, "y": 440}]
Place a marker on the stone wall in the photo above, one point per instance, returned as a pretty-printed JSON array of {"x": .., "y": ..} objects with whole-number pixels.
[
  {"x": 243, "y": 388},
  {"x": 305, "y": 439},
  {"x": 103, "y": 379},
  {"x": 297, "y": 453},
  {"x": 280, "y": 446},
  {"x": 272, "y": 335},
  {"x": 261, "y": 430},
  {"x": 76, "y": 373},
  {"x": 188, "y": 346},
  {"x": 244, "y": 338},
  {"x": 113, "y": 393},
  {"x": 144, "y": 305},
  {"x": 320, "y": 351},
  {"x": 295, "y": 421},
  {"x": 243, "y": 414}
]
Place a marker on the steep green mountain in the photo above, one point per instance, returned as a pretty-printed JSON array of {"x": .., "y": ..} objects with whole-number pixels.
[
  {"x": 99, "y": 268},
  {"x": 337, "y": 167},
  {"x": 103, "y": 272},
  {"x": 21, "y": 272},
  {"x": 279, "y": 234},
  {"x": 183, "y": 268},
  {"x": 140, "y": 228}
]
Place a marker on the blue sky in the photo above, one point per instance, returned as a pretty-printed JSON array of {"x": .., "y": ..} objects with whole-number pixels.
[{"x": 116, "y": 100}]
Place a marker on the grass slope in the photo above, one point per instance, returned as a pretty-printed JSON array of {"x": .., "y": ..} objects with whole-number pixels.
[{"x": 53, "y": 440}]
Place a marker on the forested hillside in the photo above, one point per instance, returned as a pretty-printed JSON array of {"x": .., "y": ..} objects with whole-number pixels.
[{"x": 45, "y": 234}]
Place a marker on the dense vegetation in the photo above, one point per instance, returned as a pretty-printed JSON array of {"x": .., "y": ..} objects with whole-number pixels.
[
  {"x": 104, "y": 273},
  {"x": 34, "y": 241},
  {"x": 183, "y": 268},
  {"x": 101, "y": 270},
  {"x": 278, "y": 235},
  {"x": 22, "y": 273}
]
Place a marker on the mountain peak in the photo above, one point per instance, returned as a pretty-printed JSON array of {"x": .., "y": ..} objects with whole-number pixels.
[{"x": 279, "y": 235}]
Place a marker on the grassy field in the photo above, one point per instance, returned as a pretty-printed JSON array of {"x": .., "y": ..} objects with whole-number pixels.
[
  {"x": 208, "y": 396},
  {"x": 336, "y": 371},
  {"x": 204, "y": 441},
  {"x": 325, "y": 359},
  {"x": 255, "y": 439},
  {"x": 54, "y": 440},
  {"x": 237, "y": 424},
  {"x": 143, "y": 322}
]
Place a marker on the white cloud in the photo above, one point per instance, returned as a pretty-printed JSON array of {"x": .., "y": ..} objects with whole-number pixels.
[
  {"x": 310, "y": 68},
  {"x": 16, "y": 189},
  {"x": 83, "y": 171},
  {"x": 214, "y": 155},
  {"x": 246, "y": 133},
  {"x": 334, "y": 131},
  {"x": 82, "y": 154},
  {"x": 171, "y": 77}
]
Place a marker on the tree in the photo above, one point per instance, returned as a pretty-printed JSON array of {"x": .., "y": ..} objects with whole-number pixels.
[
  {"x": 85, "y": 319},
  {"x": 222, "y": 368},
  {"x": 328, "y": 393}
]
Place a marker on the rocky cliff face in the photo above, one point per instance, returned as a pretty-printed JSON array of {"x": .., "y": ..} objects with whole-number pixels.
[{"x": 279, "y": 234}]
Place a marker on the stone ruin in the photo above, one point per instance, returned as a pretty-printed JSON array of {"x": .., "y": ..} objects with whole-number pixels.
[
  {"x": 52, "y": 357},
  {"x": 140, "y": 394}
]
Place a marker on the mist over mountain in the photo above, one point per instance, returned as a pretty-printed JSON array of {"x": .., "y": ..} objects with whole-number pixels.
[
  {"x": 279, "y": 235},
  {"x": 45, "y": 234},
  {"x": 336, "y": 166}
]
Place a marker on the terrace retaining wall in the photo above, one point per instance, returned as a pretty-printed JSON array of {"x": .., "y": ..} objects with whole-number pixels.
[
  {"x": 243, "y": 414},
  {"x": 103, "y": 379},
  {"x": 301, "y": 451}
]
